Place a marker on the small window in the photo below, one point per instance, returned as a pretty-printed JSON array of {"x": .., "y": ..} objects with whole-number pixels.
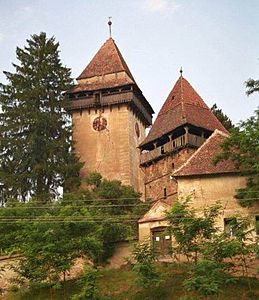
[
  {"x": 257, "y": 225},
  {"x": 229, "y": 226},
  {"x": 162, "y": 150},
  {"x": 165, "y": 194},
  {"x": 97, "y": 98},
  {"x": 173, "y": 166}
]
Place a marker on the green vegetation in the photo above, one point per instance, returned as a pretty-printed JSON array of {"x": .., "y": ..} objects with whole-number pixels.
[
  {"x": 51, "y": 236},
  {"x": 242, "y": 147},
  {"x": 144, "y": 267},
  {"x": 213, "y": 253},
  {"x": 223, "y": 118},
  {"x": 36, "y": 155},
  {"x": 121, "y": 285}
]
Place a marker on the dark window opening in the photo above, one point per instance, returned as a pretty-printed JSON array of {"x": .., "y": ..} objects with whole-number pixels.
[
  {"x": 172, "y": 165},
  {"x": 165, "y": 194},
  {"x": 97, "y": 98},
  {"x": 257, "y": 224},
  {"x": 229, "y": 226}
]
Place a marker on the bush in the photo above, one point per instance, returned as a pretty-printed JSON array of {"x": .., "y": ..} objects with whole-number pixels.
[
  {"x": 207, "y": 277},
  {"x": 145, "y": 266}
]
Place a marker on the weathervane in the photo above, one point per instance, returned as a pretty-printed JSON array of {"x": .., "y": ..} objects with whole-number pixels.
[
  {"x": 110, "y": 26},
  {"x": 181, "y": 71}
]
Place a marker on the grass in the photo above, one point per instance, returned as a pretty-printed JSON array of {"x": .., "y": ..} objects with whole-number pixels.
[{"x": 120, "y": 285}]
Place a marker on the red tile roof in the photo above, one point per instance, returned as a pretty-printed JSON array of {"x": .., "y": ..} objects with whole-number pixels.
[
  {"x": 107, "y": 60},
  {"x": 182, "y": 106},
  {"x": 201, "y": 162}
]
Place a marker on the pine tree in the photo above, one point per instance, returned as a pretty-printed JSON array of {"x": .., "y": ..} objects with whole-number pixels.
[
  {"x": 223, "y": 118},
  {"x": 36, "y": 149}
]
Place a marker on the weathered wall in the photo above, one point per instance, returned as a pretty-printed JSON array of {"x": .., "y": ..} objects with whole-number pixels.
[
  {"x": 157, "y": 175},
  {"x": 113, "y": 151},
  {"x": 122, "y": 253},
  {"x": 206, "y": 191},
  {"x": 145, "y": 229}
]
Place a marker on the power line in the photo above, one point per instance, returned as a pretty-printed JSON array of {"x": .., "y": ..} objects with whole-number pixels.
[
  {"x": 76, "y": 206},
  {"x": 59, "y": 205}
]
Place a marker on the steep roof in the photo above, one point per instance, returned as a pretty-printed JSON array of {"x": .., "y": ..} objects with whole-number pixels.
[
  {"x": 201, "y": 162},
  {"x": 183, "y": 105},
  {"x": 107, "y": 60}
]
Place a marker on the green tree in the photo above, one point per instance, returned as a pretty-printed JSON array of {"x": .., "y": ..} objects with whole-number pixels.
[
  {"x": 36, "y": 149},
  {"x": 213, "y": 252},
  {"x": 252, "y": 86},
  {"x": 52, "y": 236},
  {"x": 189, "y": 230},
  {"x": 90, "y": 289},
  {"x": 147, "y": 275},
  {"x": 242, "y": 147},
  {"x": 49, "y": 238},
  {"x": 223, "y": 118}
]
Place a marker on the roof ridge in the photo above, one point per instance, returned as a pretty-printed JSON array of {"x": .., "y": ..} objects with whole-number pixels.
[{"x": 216, "y": 131}]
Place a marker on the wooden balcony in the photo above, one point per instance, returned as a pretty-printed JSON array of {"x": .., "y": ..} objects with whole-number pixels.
[{"x": 187, "y": 139}]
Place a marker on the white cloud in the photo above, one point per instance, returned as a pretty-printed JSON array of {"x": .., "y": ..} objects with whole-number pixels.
[{"x": 160, "y": 5}]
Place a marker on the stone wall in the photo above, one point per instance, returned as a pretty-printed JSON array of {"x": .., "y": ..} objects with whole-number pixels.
[
  {"x": 157, "y": 175},
  {"x": 113, "y": 151},
  {"x": 207, "y": 190}
]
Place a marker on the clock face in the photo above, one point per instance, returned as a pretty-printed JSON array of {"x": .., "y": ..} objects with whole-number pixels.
[
  {"x": 137, "y": 130},
  {"x": 99, "y": 123}
]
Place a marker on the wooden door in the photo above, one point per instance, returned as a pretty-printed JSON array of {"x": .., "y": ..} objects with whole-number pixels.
[{"x": 162, "y": 241}]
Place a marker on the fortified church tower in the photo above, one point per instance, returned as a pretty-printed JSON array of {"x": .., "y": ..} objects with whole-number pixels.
[
  {"x": 109, "y": 115},
  {"x": 182, "y": 125}
]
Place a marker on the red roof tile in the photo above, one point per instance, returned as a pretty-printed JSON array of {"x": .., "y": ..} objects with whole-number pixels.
[
  {"x": 182, "y": 106},
  {"x": 201, "y": 162},
  {"x": 106, "y": 61}
]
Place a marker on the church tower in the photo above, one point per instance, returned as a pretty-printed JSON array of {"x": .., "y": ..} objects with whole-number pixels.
[
  {"x": 182, "y": 125},
  {"x": 109, "y": 115}
]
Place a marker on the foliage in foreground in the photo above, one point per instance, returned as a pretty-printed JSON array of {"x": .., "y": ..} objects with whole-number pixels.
[
  {"x": 242, "y": 147},
  {"x": 119, "y": 285},
  {"x": 90, "y": 289},
  {"x": 144, "y": 266},
  {"x": 213, "y": 253},
  {"x": 50, "y": 237}
]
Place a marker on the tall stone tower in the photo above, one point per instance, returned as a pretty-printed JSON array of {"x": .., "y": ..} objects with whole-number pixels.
[
  {"x": 109, "y": 115},
  {"x": 182, "y": 125}
]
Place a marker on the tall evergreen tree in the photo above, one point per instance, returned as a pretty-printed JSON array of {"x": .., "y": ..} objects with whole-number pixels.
[
  {"x": 223, "y": 118},
  {"x": 35, "y": 130}
]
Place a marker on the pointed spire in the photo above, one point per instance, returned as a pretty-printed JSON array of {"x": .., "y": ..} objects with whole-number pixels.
[
  {"x": 181, "y": 71},
  {"x": 183, "y": 106},
  {"x": 110, "y": 26},
  {"x": 107, "y": 60}
]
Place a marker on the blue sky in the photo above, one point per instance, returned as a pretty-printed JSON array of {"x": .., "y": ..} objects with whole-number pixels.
[{"x": 216, "y": 42}]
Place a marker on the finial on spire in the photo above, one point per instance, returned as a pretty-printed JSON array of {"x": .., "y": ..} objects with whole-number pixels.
[
  {"x": 181, "y": 71},
  {"x": 110, "y": 26}
]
